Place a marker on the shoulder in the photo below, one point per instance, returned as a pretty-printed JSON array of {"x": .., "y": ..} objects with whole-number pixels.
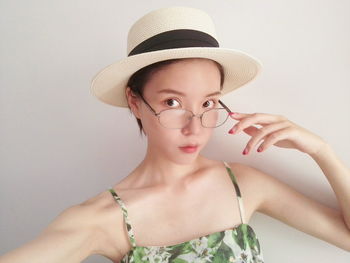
[
  {"x": 253, "y": 184},
  {"x": 248, "y": 175},
  {"x": 279, "y": 200},
  {"x": 266, "y": 190},
  {"x": 103, "y": 218},
  {"x": 74, "y": 227},
  {"x": 76, "y": 218}
]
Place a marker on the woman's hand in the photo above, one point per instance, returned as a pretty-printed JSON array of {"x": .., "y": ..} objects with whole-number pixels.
[{"x": 276, "y": 130}]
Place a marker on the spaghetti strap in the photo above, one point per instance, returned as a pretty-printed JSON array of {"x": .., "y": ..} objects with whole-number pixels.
[
  {"x": 238, "y": 192},
  {"x": 125, "y": 214}
]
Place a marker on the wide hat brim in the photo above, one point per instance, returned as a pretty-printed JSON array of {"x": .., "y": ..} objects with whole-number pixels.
[{"x": 110, "y": 83}]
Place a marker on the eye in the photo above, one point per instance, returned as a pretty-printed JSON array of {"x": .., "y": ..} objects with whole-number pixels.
[
  {"x": 169, "y": 104},
  {"x": 213, "y": 104}
]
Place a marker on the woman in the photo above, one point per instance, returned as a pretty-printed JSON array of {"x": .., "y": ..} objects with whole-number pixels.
[{"x": 170, "y": 207}]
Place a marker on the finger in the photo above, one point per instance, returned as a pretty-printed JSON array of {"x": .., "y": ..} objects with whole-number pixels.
[
  {"x": 262, "y": 133},
  {"x": 238, "y": 115},
  {"x": 251, "y": 130},
  {"x": 273, "y": 138},
  {"x": 256, "y": 118}
]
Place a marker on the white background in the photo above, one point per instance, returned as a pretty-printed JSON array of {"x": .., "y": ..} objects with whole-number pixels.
[{"x": 60, "y": 146}]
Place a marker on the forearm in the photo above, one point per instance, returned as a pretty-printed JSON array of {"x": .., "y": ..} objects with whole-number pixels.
[
  {"x": 53, "y": 248},
  {"x": 338, "y": 176}
]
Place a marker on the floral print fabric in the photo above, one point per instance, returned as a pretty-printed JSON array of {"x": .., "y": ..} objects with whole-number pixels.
[{"x": 239, "y": 245}]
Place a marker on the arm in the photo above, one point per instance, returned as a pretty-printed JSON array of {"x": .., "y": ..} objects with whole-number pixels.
[
  {"x": 69, "y": 238},
  {"x": 291, "y": 207},
  {"x": 338, "y": 176},
  {"x": 283, "y": 202}
]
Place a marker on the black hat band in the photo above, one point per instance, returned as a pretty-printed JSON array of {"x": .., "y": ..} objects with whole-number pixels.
[{"x": 178, "y": 38}]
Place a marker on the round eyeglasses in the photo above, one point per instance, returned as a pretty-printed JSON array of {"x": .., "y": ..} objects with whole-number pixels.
[{"x": 180, "y": 118}]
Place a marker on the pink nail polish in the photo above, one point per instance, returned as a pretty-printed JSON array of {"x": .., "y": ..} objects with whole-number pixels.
[
  {"x": 245, "y": 151},
  {"x": 232, "y": 113}
]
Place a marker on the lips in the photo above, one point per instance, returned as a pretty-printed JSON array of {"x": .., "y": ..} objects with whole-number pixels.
[
  {"x": 189, "y": 148},
  {"x": 189, "y": 145}
]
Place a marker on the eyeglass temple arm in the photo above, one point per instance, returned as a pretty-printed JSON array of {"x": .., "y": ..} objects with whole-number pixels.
[
  {"x": 223, "y": 105},
  {"x": 149, "y": 106}
]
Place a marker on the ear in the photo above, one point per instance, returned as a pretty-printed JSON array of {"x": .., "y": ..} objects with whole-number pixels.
[{"x": 133, "y": 101}]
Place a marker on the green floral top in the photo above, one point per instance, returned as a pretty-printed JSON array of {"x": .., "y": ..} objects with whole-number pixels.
[{"x": 239, "y": 244}]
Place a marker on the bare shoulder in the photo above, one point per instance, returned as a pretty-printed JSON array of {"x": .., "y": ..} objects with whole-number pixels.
[
  {"x": 106, "y": 217},
  {"x": 255, "y": 182},
  {"x": 279, "y": 200},
  {"x": 94, "y": 226},
  {"x": 71, "y": 237},
  {"x": 251, "y": 182}
]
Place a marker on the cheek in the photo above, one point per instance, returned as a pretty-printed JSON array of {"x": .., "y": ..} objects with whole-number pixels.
[
  {"x": 207, "y": 133},
  {"x": 151, "y": 124},
  {"x": 156, "y": 133},
  {"x": 162, "y": 138}
]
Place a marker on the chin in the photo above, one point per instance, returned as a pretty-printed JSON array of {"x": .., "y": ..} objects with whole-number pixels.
[{"x": 182, "y": 158}]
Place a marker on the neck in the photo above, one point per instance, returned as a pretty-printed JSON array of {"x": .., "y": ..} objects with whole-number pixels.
[{"x": 158, "y": 170}]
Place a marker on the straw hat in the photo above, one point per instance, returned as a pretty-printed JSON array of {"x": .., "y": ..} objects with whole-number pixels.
[{"x": 168, "y": 33}]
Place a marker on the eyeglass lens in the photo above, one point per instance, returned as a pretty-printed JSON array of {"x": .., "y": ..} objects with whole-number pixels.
[{"x": 179, "y": 118}]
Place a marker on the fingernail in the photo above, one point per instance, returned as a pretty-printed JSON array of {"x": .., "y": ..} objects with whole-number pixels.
[
  {"x": 232, "y": 131},
  {"x": 245, "y": 151},
  {"x": 232, "y": 113},
  {"x": 259, "y": 149}
]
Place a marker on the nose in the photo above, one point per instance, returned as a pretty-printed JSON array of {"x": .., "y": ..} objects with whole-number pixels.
[{"x": 194, "y": 125}]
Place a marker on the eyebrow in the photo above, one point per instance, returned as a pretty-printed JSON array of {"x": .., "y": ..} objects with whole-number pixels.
[{"x": 182, "y": 94}]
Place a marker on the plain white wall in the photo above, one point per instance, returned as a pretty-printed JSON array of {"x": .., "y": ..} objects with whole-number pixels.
[{"x": 61, "y": 146}]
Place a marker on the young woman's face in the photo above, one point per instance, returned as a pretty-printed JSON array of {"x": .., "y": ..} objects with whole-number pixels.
[{"x": 195, "y": 79}]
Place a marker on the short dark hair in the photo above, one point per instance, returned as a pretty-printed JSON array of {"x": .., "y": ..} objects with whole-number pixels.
[{"x": 138, "y": 80}]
